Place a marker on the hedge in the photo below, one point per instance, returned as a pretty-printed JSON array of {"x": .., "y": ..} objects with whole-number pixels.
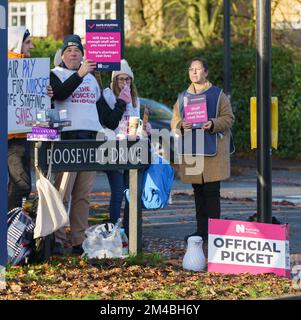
[{"x": 160, "y": 73}]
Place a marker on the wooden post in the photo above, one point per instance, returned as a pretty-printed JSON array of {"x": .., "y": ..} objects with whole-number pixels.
[
  {"x": 135, "y": 215},
  {"x": 64, "y": 184}
]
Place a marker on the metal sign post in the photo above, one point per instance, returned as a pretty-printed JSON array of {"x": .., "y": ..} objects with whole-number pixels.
[
  {"x": 3, "y": 135},
  {"x": 263, "y": 93},
  {"x": 227, "y": 48},
  {"x": 120, "y": 17}
]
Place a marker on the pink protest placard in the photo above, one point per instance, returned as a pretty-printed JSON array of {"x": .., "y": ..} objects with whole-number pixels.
[
  {"x": 238, "y": 247},
  {"x": 195, "y": 109},
  {"x": 103, "y": 46},
  {"x": 103, "y": 43},
  {"x": 196, "y": 113}
]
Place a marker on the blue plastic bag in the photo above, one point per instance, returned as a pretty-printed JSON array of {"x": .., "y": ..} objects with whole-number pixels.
[{"x": 156, "y": 184}]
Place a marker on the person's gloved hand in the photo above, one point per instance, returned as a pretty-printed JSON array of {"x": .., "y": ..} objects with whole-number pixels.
[
  {"x": 49, "y": 91},
  {"x": 125, "y": 95}
]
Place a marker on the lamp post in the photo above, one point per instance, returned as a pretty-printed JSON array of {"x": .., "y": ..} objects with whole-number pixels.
[
  {"x": 120, "y": 17},
  {"x": 263, "y": 96},
  {"x": 227, "y": 49}
]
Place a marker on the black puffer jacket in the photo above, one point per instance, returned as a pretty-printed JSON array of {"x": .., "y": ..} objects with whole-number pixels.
[{"x": 110, "y": 117}]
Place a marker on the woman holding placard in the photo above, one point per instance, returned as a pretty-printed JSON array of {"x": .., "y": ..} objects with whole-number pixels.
[{"x": 202, "y": 118}]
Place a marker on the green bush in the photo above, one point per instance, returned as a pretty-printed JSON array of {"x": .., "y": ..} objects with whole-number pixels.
[
  {"x": 161, "y": 73},
  {"x": 46, "y": 47}
]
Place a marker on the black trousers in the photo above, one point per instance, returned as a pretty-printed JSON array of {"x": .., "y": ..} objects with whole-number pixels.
[
  {"x": 19, "y": 184},
  {"x": 207, "y": 205}
]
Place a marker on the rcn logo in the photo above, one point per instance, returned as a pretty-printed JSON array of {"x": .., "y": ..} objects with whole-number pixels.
[
  {"x": 240, "y": 228},
  {"x": 2, "y": 18}
]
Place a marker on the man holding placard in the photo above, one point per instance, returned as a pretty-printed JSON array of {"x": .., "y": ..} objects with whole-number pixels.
[
  {"x": 76, "y": 90},
  {"x": 28, "y": 92}
]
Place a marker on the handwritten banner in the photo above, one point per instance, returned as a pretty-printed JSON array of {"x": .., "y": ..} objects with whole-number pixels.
[
  {"x": 103, "y": 43},
  {"x": 27, "y": 91}
]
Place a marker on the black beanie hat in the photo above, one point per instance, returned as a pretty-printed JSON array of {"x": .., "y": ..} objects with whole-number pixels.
[
  {"x": 26, "y": 35},
  {"x": 72, "y": 40}
]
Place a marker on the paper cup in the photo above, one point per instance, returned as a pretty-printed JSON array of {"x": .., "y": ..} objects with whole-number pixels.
[{"x": 134, "y": 123}]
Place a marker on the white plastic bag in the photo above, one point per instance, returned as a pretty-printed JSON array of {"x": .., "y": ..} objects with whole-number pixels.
[
  {"x": 103, "y": 241},
  {"x": 51, "y": 212}
]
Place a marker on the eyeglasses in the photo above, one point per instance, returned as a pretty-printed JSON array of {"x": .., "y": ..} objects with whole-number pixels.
[
  {"x": 122, "y": 79},
  {"x": 194, "y": 69}
]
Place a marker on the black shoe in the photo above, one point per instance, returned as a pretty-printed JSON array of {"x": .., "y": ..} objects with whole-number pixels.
[
  {"x": 78, "y": 250},
  {"x": 276, "y": 221},
  {"x": 253, "y": 218},
  {"x": 199, "y": 234},
  {"x": 58, "y": 249}
]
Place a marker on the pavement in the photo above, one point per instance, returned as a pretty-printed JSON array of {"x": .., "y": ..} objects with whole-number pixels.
[{"x": 238, "y": 202}]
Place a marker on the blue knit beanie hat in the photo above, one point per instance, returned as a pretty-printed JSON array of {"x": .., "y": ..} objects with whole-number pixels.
[{"x": 72, "y": 40}]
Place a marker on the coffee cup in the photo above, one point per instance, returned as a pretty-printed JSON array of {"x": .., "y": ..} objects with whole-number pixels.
[{"x": 134, "y": 123}]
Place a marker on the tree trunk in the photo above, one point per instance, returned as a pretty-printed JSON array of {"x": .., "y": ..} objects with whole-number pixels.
[
  {"x": 153, "y": 13},
  {"x": 134, "y": 10},
  {"x": 209, "y": 17},
  {"x": 195, "y": 34},
  {"x": 203, "y": 20},
  {"x": 60, "y": 18}
]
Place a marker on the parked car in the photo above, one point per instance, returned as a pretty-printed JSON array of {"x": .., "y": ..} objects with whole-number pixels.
[
  {"x": 159, "y": 117},
  {"x": 160, "y": 114}
]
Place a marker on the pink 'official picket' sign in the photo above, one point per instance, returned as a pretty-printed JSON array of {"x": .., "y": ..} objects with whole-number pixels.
[{"x": 237, "y": 247}]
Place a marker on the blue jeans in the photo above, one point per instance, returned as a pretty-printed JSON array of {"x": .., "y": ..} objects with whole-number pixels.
[{"x": 118, "y": 183}]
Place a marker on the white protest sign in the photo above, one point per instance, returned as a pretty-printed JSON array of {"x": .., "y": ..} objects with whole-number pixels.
[
  {"x": 27, "y": 91},
  {"x": 2, "y": 18}
]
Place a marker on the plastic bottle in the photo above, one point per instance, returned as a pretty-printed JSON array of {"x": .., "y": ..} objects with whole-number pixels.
[
  {"x": 125, "y": 242},
  {"x": 194, "y": 258}
]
